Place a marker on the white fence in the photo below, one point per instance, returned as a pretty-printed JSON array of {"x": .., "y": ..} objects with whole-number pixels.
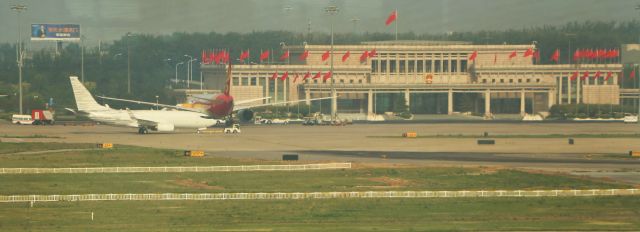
[
  {"x": 320, "y": 195},
  {"x": 299, "y": 167}
]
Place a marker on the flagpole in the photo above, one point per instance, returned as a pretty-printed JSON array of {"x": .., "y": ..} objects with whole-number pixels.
[{"x": 396, "y": 24}]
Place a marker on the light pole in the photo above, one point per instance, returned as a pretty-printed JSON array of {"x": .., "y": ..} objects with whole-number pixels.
[
  {"x": 189, "y": 65},
  {"x": 177, "y": 70},
  {"x": 332, "y": 10},
  {"x": 156, "y": 102},
  {"x": 20, "y": 58},
  {"x": 82, "y": 58},
  {"x": 128, "y": 64}
]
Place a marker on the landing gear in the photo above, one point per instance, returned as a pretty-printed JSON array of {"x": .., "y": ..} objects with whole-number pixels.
[
  {"x": 143, "y": 130},
  {"x": 229, "y": 122}
]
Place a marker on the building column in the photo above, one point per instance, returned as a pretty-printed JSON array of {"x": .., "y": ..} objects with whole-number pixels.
[
  {"x": 266, "y": 90},
  {"x": 569, "y": 90},
  {"x": 407, "y": 99},
  {"x": 450, "y": 102},
  {"x": 334, "y": 102},
  {"x": 275, "y": 90},
  {"x": 560, "y": 89},
  {"x": 522, "y": 102},
  {"x": 487, "y": 103},
  {"x": 551, "y": 100},
  {"x": 370, "y": 102},
  {"x": 578, "y": 82},
  {"x": 307, "y": 97}
]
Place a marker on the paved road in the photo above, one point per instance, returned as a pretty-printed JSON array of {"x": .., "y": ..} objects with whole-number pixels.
[{"x": 354, "y": 143}]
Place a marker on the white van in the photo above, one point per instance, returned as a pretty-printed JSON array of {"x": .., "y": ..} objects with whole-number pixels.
[
  {"x": 22, "y": 119},
  {"x": 630, "y": 118}
]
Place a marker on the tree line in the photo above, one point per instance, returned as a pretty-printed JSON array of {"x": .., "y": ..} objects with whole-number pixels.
[{"x": 45, "y": 74}]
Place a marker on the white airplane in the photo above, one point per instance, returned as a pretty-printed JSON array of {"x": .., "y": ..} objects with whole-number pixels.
[{"x": 144, "y": 120}]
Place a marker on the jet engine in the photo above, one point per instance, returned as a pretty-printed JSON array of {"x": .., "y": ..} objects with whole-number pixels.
[
  {"x": 164, "y": 127},
  {"x": 245, "y": 115}
]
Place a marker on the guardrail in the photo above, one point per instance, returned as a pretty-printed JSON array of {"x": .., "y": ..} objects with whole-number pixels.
[
  {"x": 320, "y": 195},
  {"x": 294, "y": 167}
]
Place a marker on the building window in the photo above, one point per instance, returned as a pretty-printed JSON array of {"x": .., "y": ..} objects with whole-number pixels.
[
  {"x": 519, "y": 80},
  {"x": 374, "y": 66},
  {"x": 428, "y": 66},
  {"x": 383, "y": 66},
  {"x": 392, "y": 66},
  {"x": 420, "y": 66},
  {"x": 510, "y": 80},
  {"x": 342, "y": 81},
  {"x": 236, "y": 81},
  {"x": 402, "y": 66},
  {"x": 538, "y": 80},
  {"x": 493, "y": 80},
  {"x": 484, "y": 80},
  {"x": 528, "y": 80},
  {"x": 315, "y": 81},
  {"x": 463, "y": 66},
  {"x": 445, "y": 66},
  {"x": 360, "y": 81},
  {"x": 253, "y": 81},
  {"x": 350, "y": 81},
  {"x": 454, "y": 66},
  {"x": 437, "y": 66},
  {"x": 412, "y": 66},
  {"x": 501, "y": 80}
]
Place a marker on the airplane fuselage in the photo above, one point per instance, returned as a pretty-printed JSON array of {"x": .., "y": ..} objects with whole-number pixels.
[{"x": 179, "y": 119}]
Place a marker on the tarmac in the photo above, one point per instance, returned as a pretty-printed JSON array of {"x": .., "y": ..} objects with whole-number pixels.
[{"x": 375, "y": 144}]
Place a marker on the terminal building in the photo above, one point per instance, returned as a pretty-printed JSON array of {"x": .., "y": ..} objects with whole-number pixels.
[{"x": 431, "y": 77}]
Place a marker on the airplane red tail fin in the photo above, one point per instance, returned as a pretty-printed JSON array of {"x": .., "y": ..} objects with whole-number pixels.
[{"x": 228, "y": 86}]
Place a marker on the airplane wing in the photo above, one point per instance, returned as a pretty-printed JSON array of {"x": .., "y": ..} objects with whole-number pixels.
[
  {"x": 142, "y": 122},
  {"x": 155, "y": 104},
  {"x": 276, "y": 103}
]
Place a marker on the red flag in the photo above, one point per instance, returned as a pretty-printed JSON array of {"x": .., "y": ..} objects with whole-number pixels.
[
  {"x": 598, "y": 73},
  {"x": 284, "y": 56},
  {"x": 473, "y": 56},
  {"x": 346, "y": 56},
  {"x": 373, "y": 53},
  {"x": 513, "y": 54},
  {"x": 326, "y": 76},
  {"x": 392, "y": 17},
  {"x": 632, "y": 75},
  {"x": 306, "y": 76},
  {"x": 225, "y": 57},
  {"x": 577, "y": 55},
  {"x": 574, "y": 76},
  {"x": 303, "y": 56},
  {"x": 584, "y": 75},
  {"x": 264, "y": 55},
  {"x": 204, "y": 57},
  {"x": 364, "y": 56},
  {"x": 274, "y": 76},
  {"x": 244, "y": 55},
  {"x": 609, "y": 75},
  {"x": 220, "y": 57},
  {"x": 317, "y": 75},
  {"x": 529, "y": 52},
  {"x": 296, "y": 78},
  {"x": 325, "y": 56},
  {"x": 556, "y": 56},
  {"x": 284, "y": 76}
]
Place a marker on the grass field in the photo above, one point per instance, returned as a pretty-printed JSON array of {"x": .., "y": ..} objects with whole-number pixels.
[
  {"x": 121, "y": 155},
  {"x": 566, "y": 213},
  {"x": 507, "y": 214},
  {"x": 293, "y": 181}
]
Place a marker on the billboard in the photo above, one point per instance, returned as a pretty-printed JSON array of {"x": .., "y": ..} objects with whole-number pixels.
[{"x": 55, "y": 32}]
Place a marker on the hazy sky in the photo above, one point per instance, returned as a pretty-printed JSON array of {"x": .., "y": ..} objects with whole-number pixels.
[{"x": 110, "y": 19}]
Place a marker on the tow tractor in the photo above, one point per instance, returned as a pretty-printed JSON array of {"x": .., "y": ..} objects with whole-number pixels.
[{"x": 234, "y": 129}]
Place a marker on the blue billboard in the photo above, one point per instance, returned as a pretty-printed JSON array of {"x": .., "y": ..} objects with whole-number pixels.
[{"x": 57, "y": 32}]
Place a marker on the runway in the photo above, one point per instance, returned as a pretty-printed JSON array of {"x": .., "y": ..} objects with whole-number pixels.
[{"x": 358, "y": 143}]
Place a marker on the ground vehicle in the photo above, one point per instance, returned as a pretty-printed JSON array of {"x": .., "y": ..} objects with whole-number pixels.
[
  {"x": 630, "y": 119},
  {"x": 234, "y": 129},
  {"x": 42, "y": 117},
  {"x": 22, "y": 119}
]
